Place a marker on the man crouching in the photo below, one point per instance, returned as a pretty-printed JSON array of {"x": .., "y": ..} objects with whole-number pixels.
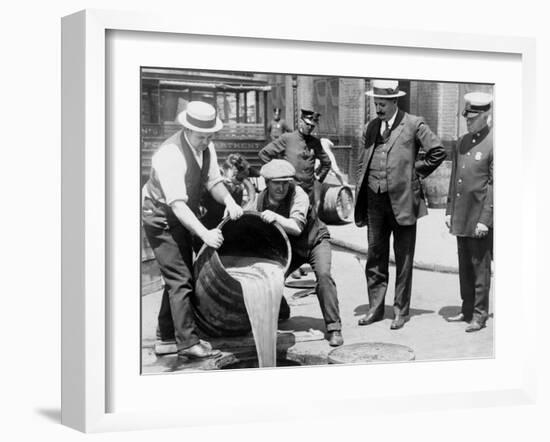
[{"x": 288, "y": 205}]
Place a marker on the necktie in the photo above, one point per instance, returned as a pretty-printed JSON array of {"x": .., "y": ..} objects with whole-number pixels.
[{"x": 386, "y": 133}]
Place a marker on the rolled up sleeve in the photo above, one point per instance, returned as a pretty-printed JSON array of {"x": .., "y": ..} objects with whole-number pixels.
[
  {"x": 299, "y": 207},
  {"x": 170, "y": 168}
]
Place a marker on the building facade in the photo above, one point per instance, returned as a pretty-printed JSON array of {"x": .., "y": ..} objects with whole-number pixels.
[{"x": 245, "y": 101}]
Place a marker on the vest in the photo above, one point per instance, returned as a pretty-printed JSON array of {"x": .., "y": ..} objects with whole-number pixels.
[
  {"x": 378, "y": 166},
  {"x": 195, "y": 177},
  {"x": 377, "y": 173},
  {"x": 314, "y": 230}
]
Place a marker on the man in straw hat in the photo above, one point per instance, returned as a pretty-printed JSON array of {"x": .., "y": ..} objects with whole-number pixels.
[
  {"x": 183, "y": 167},
  {"x": 390, "y": 198},
  {"x": 288, "y": 205},
  {"x": 469, "y": 213}
]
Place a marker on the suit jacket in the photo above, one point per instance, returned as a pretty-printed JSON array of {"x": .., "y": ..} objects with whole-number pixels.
[
  {"x": 470, "y": 198},
  {"x": 404, "y": 169}
]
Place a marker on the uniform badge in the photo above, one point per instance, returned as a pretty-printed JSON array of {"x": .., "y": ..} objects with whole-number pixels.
[{"x": 478, "y": 156}]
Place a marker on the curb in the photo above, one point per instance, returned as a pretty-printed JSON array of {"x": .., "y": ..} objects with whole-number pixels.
[{"x": 362, "y": 251}]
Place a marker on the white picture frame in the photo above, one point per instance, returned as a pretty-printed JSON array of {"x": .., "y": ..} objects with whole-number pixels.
[{"x": 86, "y": 233}]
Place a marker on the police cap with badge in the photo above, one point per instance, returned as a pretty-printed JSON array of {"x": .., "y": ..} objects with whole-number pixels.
[
  {"x": 476, "y": 103},
  {"x": 310, "y": 117}
]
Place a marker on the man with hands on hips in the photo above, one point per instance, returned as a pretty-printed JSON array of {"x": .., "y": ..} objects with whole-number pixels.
[
  {"x": 389, "y": 197},
  {"x": 183, "y": 167},
  {"x": 469, "y": 214}
]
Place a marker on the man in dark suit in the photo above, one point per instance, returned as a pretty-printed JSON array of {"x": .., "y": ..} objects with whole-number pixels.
[
  {"x": 469, "y": 213},
  {"x": 389, "y": 197}
]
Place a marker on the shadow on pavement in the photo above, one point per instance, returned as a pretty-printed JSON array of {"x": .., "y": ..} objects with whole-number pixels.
[
  {"x": 388, "y": 311},
  {"x": 302, "y": 323},
  {"x": 452, "y": 310},
  {"x": 449, "y": 310}
]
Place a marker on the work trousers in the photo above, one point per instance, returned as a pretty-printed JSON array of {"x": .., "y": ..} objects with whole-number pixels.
[
  {"x": 320, "y": 259},
  {"x": 172, "y": 246},
  {"x": 474, "y": 268},
  {"x": 381, "y": 223}
]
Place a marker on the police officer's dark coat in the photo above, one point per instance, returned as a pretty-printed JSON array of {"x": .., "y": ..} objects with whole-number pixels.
[
  {"x": 470, "y": 197},
  {"x": 300, "y": 151},
  {"x": 403, "y": 168}
]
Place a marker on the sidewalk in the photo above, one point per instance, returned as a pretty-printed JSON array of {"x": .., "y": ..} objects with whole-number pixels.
[{"x": 435, "y": 246}]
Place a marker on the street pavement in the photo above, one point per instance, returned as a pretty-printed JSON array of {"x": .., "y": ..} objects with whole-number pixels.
[
  {"x": 435, "y": 296},
  {"x": 435, "y": 247}
]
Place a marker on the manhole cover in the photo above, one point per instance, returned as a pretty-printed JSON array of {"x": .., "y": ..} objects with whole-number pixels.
[{"x": 365, "y": 353}]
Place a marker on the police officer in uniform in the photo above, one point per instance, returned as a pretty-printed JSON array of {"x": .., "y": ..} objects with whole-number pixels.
[
  {"x": 301, "y": 149},
  {"x": 469, "y": 214}
]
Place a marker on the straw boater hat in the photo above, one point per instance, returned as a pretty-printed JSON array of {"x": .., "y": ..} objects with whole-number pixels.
[
  {"x": 476, "y": 103},
  {"x": 385, "y": 89},
  {"x": 278, "y": 170},
  {"x": 200, "y": 117}
]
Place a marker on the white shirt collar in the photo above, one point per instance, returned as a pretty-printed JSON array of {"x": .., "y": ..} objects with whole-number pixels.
[
  {"x": 196, "y": 153},
  {"x": 392, "y": 119},
  {"x": 390, "y": 123}
]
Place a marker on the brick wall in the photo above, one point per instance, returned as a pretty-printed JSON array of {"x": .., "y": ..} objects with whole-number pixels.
[
  {"x": 448, "y": 111},
  {"x": 428, "y": 103},
  {"x": 305, "y": 92},
  {"x": 351, "y": 102},
  {"x": 414, "y": 98}
]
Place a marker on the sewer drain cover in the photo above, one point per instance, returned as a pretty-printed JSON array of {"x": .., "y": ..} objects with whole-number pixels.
[{"x": 366, "y": 353}]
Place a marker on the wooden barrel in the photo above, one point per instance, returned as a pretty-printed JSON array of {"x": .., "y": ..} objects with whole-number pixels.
[
  {"x": 336, "y": 205},
  {"x": 151, "y": 279},
  {"x": 218, "y": 302},
  {"x": 436, "y": 186}
]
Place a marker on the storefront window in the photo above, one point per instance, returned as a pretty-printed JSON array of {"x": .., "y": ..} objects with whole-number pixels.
[
  {"x": 162, "y": 105},
  {"x": 227, "y": 106}
]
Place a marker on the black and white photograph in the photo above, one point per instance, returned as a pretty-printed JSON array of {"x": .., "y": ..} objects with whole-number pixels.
[
  {"x": 244, "y": 221},
  {"x": 293, "y": 220}
]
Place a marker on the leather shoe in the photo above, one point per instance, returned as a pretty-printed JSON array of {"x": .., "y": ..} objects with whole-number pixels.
[
  {"x": 474, "y": 326},
  {"x": 398, "y": 322},
  {"x": 198, "y": 351},
  {"x": 457, "y": 318},
  {"x": 369, "y": 318},
  {"x": 335, "y": 338}
]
